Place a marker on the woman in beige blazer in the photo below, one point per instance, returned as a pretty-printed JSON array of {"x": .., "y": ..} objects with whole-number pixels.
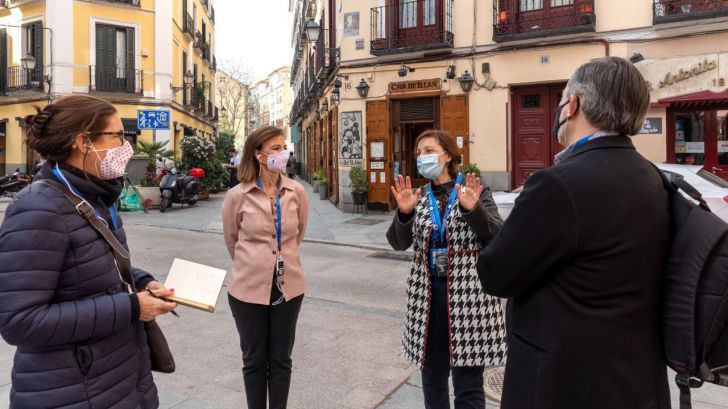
[{"x": 264, "y": 221}]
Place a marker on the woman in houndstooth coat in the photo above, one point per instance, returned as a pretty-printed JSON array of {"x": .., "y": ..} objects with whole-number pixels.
[{"x": 451, "y": 324}]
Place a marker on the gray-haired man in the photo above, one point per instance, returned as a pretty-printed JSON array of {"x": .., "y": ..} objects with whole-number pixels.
[{"x": 581, "y": 256}]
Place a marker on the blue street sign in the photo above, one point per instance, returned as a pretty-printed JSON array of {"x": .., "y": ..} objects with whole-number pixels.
[{"x": 155, "y": 119}]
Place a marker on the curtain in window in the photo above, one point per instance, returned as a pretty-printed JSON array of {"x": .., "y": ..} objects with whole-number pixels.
[{"x": 407, "y": 14}]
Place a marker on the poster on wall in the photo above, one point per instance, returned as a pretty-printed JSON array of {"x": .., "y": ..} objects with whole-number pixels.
[
  {"x": 350, "y": 144},
  {"x": 351, "y": 24},
  {"x": 652, "y": 126}
]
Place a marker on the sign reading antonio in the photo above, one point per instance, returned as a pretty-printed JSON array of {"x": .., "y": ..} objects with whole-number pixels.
[
  {"x": 154, "y": 119},
  {"x": 414, "y": 86}
]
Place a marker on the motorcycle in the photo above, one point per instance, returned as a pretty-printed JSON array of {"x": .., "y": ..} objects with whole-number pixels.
[
  {"x": 179, "y": 188},
  {"x": 13, "y": 183}
]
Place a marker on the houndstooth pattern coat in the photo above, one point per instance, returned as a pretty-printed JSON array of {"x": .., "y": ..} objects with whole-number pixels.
[{"x": 477, "y": 324}]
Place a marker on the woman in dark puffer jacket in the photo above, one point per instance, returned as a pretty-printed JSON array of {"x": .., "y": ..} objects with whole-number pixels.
[{"x": 78, "y": 330}]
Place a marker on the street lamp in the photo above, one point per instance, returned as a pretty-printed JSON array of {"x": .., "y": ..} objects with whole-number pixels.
[
  {"x": 362, "y": 88},
  {"x": 28, "y": 62},
  {"x": 325, "y": 106},
  {"x": 223, "y": 112},
  {"x": 466, "y": 81},
  {"x": 313, "y": 31},
  {"x": 335, "y": 94}
]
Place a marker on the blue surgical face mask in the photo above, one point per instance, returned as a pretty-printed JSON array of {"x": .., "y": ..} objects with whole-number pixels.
[{"x": 429, "y": 165}]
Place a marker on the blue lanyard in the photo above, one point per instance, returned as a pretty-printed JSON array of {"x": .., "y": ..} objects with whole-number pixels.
[
  {"x": 435, "y": 211},
  {"x": 278, "y": 222},
  {"x": 112, "y": 210},
  {"x": 582, "y": 141}
]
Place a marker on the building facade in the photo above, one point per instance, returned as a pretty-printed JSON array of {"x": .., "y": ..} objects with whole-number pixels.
[
  {"x": 272, "y": 100},
  {"x": 132, "y": 53},
  {"x": 490, "y": 74},
  {"x": 232, "y": 99}
]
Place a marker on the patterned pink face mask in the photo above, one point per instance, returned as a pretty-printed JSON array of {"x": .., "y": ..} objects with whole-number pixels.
[
  {"x": 113, "y": 165},
  {"x": 277, "y": 161}
]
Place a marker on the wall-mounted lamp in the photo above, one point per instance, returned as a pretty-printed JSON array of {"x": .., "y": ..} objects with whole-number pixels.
[
  {"x": 335, "y": 94},
  {"x": 325, "y": 106},
  {"x": 451, "y": 72},
  {"x": 466, "y": 81},
  {"x": 636, "y": 57},
  {"x": 403, "y": 70},
  {"x": 362, "y": 88},
  {"x": 313, "y": 31}
]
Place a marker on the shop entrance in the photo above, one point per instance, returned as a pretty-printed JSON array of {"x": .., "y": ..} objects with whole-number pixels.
[
  {"x": 405, "y": 157},
  {"x": 697, "y": 131}
]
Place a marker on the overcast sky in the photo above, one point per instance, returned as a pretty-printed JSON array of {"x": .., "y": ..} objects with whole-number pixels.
[{"x": 258, "y": 33}]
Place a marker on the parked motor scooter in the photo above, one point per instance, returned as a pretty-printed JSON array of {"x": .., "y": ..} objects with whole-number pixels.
[
  {"x": 13, "y": 183},
  {"x": 179, "y": 188}
]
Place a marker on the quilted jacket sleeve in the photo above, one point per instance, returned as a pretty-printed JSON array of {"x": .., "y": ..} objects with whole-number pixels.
[{"x": 33, "y": 248}]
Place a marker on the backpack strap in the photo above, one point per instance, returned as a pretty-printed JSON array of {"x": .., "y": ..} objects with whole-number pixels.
[
  {"x": 121, "y": 254},
  {"x": 674, "y": 182}
]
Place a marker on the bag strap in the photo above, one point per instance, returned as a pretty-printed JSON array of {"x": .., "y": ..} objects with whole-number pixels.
[
  {"x": 674, "y": 182},
  {"x": 121, "y": 254}
]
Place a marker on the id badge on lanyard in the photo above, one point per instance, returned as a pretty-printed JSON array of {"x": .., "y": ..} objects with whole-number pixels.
[
  {"x": 439, "y": 255},
  {"x": 279, "y": 267}
]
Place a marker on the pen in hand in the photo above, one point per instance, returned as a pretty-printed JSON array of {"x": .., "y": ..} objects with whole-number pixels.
[{"x": 151, "y": 293}]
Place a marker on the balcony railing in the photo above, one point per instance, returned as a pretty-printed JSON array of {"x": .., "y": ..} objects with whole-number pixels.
[
  {"x": 16, "y": 78},
  {"x": 135, "y": 3},
  {"x": 116, "y": 79},
  {"x": 189, "y": 26},
  {"x": 411, "y": 26},
  {"x": 667, "y": 11},
  {"x": 547, "y": 17},
  {"x": 210, "y": 109},
  {"x": 207, "y": 53},
  {"x": 213, "y": 63},
  {"x": 326, "y": 57}
]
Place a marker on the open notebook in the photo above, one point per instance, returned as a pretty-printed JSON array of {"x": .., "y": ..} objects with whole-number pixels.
[{"x": 195, "y": 285}]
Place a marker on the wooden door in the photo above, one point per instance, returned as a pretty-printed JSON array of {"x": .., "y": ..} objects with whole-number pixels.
[
  {"x": 334, "y": 143},
  {"x": 455, "y": 121},
  {"x": 533, "y": 148},
  {"x": 378, "y": 157}
]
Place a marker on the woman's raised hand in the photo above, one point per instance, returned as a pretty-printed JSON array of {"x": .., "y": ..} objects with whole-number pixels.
[
  {"x": 402, "y": 191},
  {"x": 469, "y": 195}
]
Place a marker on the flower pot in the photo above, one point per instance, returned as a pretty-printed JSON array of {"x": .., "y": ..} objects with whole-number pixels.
[
  {"x": 360, "y": 198},
  {"x": 204, "y": 194},
  {"x": 323, "y": 192},
  {"x": 315, "y": 187}
]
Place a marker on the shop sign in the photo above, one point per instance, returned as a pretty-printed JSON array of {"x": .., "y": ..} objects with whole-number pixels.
[
  {"x": 652, "y": 126},
  {"x": 687, "y": 73},
  {"x": 415, "y": 86},
  {"x": 684, "y": 75},
  {"x": 722, "y": 146}
]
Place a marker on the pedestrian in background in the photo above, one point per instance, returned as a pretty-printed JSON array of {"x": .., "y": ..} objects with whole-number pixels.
[
  {"x": 451, "y": 324},
  {"x": 264, "y": 222},
  {"x": 582, "y": 255},
  {"x": 232, "y": 168},
  {"x": 291, "y": 168},
  {"x": 78, "y": 327}
]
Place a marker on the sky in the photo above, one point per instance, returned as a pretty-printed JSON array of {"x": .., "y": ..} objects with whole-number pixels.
[{"x": 255, "y": 33}]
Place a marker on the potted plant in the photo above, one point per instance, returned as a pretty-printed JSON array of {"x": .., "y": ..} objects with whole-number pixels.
[
  {"x": 359, "y": 186},
  {"x": 149, "y": 188},
  {"x": 315, "y": 184},
  {"x": 322, "y": 184},
  {"x": 470, "y": 168}
]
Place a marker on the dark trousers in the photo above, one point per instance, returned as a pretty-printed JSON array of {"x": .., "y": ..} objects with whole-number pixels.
[
  {"x": 467, "y": 381},
  {"x": 267, "y": 334}
]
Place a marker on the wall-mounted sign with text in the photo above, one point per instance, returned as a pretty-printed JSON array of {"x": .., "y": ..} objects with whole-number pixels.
[{"x": 673, "y": 77}]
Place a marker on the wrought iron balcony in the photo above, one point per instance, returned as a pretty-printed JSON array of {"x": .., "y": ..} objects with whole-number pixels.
[
  {"x": 326, "y": 58},
  {"x": 116, "y": 79},
  {"x": 668, "y": 11},
  {"x": 16, "y": 78},
  {"x": 189, "y": 26},
  {"x": 411, "y": 26},
  {"x": 539, "y": 18}
]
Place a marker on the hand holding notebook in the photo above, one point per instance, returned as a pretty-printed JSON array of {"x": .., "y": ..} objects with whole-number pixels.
[{"x": 195, "y": 285}]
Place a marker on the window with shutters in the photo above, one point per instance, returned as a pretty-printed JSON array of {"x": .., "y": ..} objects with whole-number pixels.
[
  {"x": 32, "y": 43},
  {"x": 407, "y": 25},
  {"x": 115, "y": 60}
]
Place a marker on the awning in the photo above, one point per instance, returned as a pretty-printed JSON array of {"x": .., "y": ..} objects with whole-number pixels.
[{"x": 700, "y": 100}]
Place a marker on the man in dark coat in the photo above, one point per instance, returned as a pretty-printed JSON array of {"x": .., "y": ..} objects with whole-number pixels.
[{"x": 581, "y": 255}]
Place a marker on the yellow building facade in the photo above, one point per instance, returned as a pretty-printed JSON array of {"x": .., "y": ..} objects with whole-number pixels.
[
  {"x": 490, "y": 73},
  {"x": 136, "y": 54}
]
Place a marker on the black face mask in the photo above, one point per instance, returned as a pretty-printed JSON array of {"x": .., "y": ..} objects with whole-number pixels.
[{"x": 558, "y": 123}]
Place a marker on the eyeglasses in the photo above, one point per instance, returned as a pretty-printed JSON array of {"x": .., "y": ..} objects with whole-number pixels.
[{"x": 117, "y": 134}]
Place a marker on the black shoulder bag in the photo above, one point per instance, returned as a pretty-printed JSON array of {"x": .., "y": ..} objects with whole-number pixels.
[{"x": 159, "y": 352}]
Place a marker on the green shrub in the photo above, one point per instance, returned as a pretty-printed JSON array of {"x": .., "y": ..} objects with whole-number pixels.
[
  {"x": 320, "y": 177},
  {"x": 358, "y": 178},
  {"x": 470, "y": 168}
]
